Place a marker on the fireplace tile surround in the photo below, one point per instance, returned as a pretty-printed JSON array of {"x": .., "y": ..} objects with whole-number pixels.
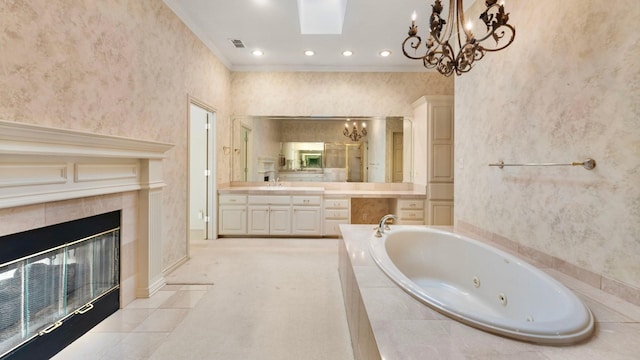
[
  {"x": 99, "y": 174},
  {"x": 29, "y": 217}
]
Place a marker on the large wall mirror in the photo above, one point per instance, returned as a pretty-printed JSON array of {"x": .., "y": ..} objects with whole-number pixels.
[{"x": 317, "y": 149}]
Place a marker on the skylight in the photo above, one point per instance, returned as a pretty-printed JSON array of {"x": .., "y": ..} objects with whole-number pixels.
[{"x": 321, "y": 17}]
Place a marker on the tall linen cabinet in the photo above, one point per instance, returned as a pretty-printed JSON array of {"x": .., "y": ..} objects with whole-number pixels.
[{"x": 433, "y": 156}]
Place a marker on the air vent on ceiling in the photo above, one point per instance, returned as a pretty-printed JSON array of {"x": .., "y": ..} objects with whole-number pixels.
[{"x": 237, "y": 43}]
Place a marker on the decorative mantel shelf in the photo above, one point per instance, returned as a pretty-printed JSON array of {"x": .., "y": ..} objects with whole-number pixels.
[{"x": 41, "y": 164}]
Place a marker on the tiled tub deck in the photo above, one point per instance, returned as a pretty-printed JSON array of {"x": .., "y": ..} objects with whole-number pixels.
[{"x": 387, "y": 323}]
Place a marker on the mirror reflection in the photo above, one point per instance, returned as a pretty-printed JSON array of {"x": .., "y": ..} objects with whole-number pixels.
[{"x": 340, "y": 149}]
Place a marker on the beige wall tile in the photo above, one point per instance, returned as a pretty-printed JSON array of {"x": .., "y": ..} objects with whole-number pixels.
[{"x": 21, "y": 218}]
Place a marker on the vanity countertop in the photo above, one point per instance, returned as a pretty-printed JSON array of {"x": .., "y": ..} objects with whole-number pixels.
[
  {"x": 273, "y": 190},
  {"x": 375, "y": 193},
  {"x": 316, "y": 190},
  {"x": 303, "y": 171}
]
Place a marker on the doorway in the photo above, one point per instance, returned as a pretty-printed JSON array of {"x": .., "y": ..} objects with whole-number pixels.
[
  {"x": 245, "y": 142},
  {"x": 397, "y": 150},
  {"x": 354, "y": 162},
  {"x": 201, "y": 204}
]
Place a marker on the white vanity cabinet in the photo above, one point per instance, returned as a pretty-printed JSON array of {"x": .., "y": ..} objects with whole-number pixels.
[
  {"x": 307, "y": 215},
  {"x": 232, "y": 214},
  {"x": 336, "y": 212},
  {"x": 269, "y": 215},
  {"x": 409, "y": 211}
]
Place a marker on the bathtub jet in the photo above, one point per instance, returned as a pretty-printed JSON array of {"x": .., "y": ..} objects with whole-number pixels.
[{"x": 481, "y": 286}]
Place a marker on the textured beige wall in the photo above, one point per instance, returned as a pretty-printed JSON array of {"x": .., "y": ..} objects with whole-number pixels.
[
  {"x": 568, "y": 88},
  {"x": 118, "y": 67},
  {"x": 333, "y": 94}
]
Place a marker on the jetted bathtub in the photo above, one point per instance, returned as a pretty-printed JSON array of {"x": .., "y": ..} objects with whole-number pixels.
[{"x": 481, "y": 286}]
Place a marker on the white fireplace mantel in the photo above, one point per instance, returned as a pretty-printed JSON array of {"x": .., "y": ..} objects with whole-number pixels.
[{"x": 42, "y": 164}]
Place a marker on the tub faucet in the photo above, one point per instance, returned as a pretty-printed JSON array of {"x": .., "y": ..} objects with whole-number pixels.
[{"x": 382, "y": 226}]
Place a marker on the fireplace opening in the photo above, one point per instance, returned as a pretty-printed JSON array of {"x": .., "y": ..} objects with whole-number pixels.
[{"x": 56, "y": 283}]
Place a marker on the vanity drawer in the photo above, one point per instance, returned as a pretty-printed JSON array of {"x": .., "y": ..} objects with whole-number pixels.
[
  {"x": 336, "y": 214},
  {"x": 307, "y": 200},
  {"x": 269, "y": 200},
  {"x": 232, "y": 199},
  {"x": 412, "y": 215},
  {"x": 410, "y": 204},
  {"x": 336, "y": 203}
]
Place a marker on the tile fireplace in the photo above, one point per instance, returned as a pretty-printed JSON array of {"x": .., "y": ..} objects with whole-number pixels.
[
  {"x": 50, "y": 176},
  {"x": 56, "y": 282}
]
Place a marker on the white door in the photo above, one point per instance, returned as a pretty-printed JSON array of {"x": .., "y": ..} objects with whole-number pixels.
[{"x": 201, "y": 175}]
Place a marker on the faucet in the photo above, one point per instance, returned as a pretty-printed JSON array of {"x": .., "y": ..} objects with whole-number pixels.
[{"x": 382, "y": 226}]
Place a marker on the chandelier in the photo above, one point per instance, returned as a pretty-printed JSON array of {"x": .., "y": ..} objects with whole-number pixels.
[
  {"x": 440, "y": 52},
  {"x": 354, "y": 135}
]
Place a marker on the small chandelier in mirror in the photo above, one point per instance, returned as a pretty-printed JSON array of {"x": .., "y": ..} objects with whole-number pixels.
[
  {"x": 355, "y": 134},
  {"x": 440, "y": 53}
]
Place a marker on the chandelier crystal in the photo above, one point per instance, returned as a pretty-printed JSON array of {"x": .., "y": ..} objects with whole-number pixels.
[
  {"x": 355, "y": 134},
  {"x": 440, "y": 53}
]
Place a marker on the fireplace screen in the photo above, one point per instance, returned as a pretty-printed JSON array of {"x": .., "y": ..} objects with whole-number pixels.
[{"x": 38, "y": 292}]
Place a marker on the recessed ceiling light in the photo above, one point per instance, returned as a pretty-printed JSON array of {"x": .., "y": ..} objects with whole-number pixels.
[
  {"x": 257, "y": 53},
  {"x": 384, "y": 53},
  {"x": 309, "y": 52},
  {"x": 347, "y": 53}
]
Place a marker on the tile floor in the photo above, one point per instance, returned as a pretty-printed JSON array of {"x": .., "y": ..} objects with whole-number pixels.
[
  {"x": 281, "y": 299},
  {"x": 234, "y": 299}
]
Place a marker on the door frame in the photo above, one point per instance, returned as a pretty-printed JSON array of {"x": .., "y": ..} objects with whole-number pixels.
[{"x": 211, "y": 165}]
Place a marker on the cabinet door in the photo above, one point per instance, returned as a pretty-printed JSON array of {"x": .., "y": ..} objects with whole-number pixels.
[
  {"x": 441, "y": 212},
  {"x": 280, "y": 220},
  {"x": 233, "y": 220},
  {"x": 258, "y": 220},
  {"x": 306, "y": 220}
]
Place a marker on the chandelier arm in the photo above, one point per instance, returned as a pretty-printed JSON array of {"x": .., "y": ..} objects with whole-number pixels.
[
  {"x": 450, "y": 17},
  {"x": 501, "y": 35},
  {"x": 460, "y": 24},
  {"x": 496, "y": 21},
  {"x": 467, "y": 56},
  {"x": 413, "y": 45},
  {"x": 444, "y": 36}
]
